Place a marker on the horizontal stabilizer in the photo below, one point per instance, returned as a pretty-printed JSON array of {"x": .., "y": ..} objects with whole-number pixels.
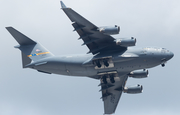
[{"x": 19, "y": 37}]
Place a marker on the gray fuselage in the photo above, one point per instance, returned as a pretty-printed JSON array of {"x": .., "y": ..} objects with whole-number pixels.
[{"x": 82, "y": 65}]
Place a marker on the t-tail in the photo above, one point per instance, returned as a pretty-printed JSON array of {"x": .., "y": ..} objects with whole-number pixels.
[{"x": 31, "y": 51}]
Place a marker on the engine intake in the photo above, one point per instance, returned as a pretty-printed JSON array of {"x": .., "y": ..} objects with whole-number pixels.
[
  {"x": 139, "y": 74},
  {"x": 134, "y": 89},
  {"x": 111, "y": 30},
  {"x": 125, "y": 42}
]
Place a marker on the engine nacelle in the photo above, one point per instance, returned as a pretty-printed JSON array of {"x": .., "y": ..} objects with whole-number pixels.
[
  {"x": 125, "y": 42},
  {"x": 139, "y": 74},
  {"x": 134, "y": 89},
  {"x": 110, "y": 30}
]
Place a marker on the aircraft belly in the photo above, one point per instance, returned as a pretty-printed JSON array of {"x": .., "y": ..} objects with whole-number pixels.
[
  {"x": 91, "y": 71},
  {"x": 76, "y": 70},
  {"x": 53, "y": 67},
  {"x": 139, "y": 63}
]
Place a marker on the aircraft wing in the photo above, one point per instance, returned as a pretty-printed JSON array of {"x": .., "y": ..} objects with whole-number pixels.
[
  {"x": 89, "y": 33},
  {"x": 111, "y": 93}
]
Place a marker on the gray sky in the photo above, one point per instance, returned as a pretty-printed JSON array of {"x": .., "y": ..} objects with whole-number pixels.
[{"x": 27, "y": 92}]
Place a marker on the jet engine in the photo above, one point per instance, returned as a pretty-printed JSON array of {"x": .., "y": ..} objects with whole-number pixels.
[
  {"x": 125, "y": 42},
  {"x": 139, "y": 74},
  {"x": 111, "y": 30},
  {"x": 134, "y": 89}
]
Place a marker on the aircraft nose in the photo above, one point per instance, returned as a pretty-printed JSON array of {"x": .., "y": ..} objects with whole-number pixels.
[{"x": 170, "y": 55}]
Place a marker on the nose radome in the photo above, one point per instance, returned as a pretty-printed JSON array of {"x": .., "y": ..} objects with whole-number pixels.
[{"x": 170, "y": 55}]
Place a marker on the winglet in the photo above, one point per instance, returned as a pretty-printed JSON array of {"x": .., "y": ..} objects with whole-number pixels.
[{"x": 63, "y": 5}]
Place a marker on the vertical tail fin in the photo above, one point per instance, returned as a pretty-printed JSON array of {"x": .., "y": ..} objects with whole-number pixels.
[{"x": 31, "y": 50}]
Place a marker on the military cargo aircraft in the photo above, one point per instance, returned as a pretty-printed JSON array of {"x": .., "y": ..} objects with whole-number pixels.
[{"x": 109, "y": 60}]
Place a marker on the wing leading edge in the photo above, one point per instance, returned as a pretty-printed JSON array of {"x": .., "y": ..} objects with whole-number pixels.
[{"x": 89, "y": 33}]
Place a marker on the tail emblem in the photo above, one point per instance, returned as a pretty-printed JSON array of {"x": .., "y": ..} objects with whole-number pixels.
[{"x": 36, "y": 54}]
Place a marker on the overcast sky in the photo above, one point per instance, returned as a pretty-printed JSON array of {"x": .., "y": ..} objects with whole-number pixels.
[{"x": 28, "y": 92}]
